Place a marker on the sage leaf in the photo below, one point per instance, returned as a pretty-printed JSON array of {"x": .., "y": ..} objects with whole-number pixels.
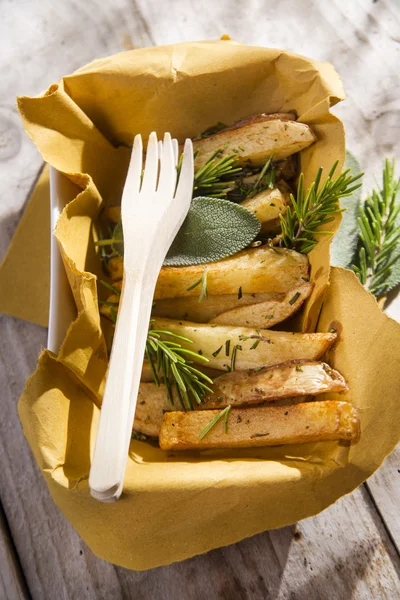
[
  {"x": 344, "y": 243},
  {"x": 213, "y": 229}
]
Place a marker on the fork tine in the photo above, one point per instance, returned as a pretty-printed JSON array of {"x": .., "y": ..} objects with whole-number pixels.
[
  {"x": 185, "y": 183},
  {"x": 132, "y": 183},
  {"x": 167, "y": 180},
  {"x": 175, "y": 146},
  {"x": 151, "y": 166}
]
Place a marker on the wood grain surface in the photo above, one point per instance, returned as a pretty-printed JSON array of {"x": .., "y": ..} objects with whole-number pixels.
[{"x": 351, "y": 550}]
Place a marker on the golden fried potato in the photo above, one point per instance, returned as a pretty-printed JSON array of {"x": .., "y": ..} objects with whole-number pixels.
[
  {"x": 250, "y": 271},
  {"x": 217, "y": 343},
  {"x": 255, "y": 139},
  {"x": 286, "y": 380},
  {"x": 267, "y": 206},
  {"x": 266, "y": 314},
  {"x": 113, "y": 213},
  {"x": 189, "y": 308},
  {"x": 261, "y": 426}
]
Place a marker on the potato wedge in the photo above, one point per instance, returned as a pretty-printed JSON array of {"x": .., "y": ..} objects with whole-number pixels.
[
  {"x": 267, "y": 205},
  {"x": 112, "y": 302},
  {"x": 290, "y": 379},
  {"x": 266, "y": 314},
  {"x": 113, "y": 213},
  {"x": 153, "y": 402},
  {"x": 255, "y": 270},
  {"x": 217, "y": 343},
  {"x": 190, "y": 309},
  {"x": 262, "y": 426},
  {"x": 255, "y": 139}
]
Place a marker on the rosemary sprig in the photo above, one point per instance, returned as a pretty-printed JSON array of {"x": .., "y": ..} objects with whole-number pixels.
[
  {"x": 222, "y": 415},
  {"x": 264, "y": 181},
  {"x": 379, "y": 233},
  {"x": 203, "y": 289},
  {"x": 168, "y": 358},
  {"x": 211, "y": 178},
  {"x": 313, "y": 208}
]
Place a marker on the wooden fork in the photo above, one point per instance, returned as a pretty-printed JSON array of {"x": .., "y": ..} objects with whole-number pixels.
[{"x": 152, "y": 213}]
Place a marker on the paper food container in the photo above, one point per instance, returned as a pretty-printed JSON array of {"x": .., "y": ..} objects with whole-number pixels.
[{"x": 177, "y": 505}]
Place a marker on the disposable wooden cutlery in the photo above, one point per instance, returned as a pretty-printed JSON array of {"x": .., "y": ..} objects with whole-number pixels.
[{"x": 153, "y": 208}]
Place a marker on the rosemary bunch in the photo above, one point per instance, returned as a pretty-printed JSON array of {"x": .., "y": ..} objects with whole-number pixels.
[
  {"x": 379, "y": 234},
  {"x": 313, "y": 208},
  {"x": 212, "y": 179},
  {"x": 168, "y": 358}
]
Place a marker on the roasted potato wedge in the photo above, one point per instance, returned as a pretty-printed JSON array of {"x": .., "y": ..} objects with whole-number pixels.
[
  {"x": 190, "y": 309},
  {"x": 255, "y": 139},
  {"x": 261, "y": 426},
  {"x": 290, "y": 379},
  {"x": 217, "y": 343},
  {"x": 267, "y": 206},
  {"x": 153, "y": 402},
  {"x": 266, "y": 314},
  {"x": 255, "y": 270},
  {"x": 112, "y": 213},
  {"x": 112, "y": 302}
]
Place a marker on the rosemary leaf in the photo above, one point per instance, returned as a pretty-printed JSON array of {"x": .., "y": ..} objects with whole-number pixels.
[{"x": 222, "y": 415}]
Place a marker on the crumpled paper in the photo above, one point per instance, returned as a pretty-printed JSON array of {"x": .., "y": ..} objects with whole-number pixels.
[{"x": 175, "y": 506}]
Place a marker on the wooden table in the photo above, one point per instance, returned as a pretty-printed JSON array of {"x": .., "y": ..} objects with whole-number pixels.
[{"x": 350, "y": 550}]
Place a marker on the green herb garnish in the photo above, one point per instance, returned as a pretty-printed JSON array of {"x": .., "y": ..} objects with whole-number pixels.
[
  {"x": 222, "y": 415},
  {"x": 294, "y": 298},
  {"x": 217, "y": 351},
  {"x": 168, "y": 358},
  {"x": 379, "y": 236},
  {"x": 313, "y": 208},
  {"x": 203, "y": 289},
  {"x": 211, "y": 178}
]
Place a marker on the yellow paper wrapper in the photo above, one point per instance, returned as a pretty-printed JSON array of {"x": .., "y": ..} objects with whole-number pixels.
[{"x": 175, "y": 506}]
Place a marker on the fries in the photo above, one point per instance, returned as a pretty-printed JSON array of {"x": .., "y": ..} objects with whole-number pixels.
[
  {"x": 255, "y": 139},
  {"x": 266, "y": 314},
  {"x": 217, "y": 343},
  {"x": 190, "y": 309},
  {"x": 285, "y": 380},
  {"x": 261, "y": 426}
]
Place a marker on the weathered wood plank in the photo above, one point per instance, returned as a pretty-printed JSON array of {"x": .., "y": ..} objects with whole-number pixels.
[
  {"x": 344, "y": 552},
  {"x": 12, "y": 583},
  {"x": 384, "y": 487}
]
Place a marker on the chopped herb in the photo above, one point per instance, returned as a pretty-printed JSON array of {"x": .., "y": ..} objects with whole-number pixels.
[
  {"x": 239, "y": 419},
  {"x": 220, "y": 398},
  {"x": 113, "y": 315},
  {"x": 254, "y": 346},
  {"x": 294, "y": 298},
  {"x": 240, "y": 294},
  {"x": 147, "y": 419},
  {"x": 108, "y": 303},
  {"x": 269, "y": 317},
  {"x": 200, "y": 352},
  {"x": 333, "y": 330},
  {"x": 222, "y": 415},
  {"x": 298, "y": 368},
  {"x": 256, "y": 435},
  {"x": 110, "y": 287},
  {"x": 227, "y": 347},
  {"x": 233, "y": 360},
  {"x": 203, "y": 282},
  {"x": 217, "y": 351}
]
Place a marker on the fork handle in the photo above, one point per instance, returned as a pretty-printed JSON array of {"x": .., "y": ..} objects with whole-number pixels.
[{"x": 119, "y": 401}]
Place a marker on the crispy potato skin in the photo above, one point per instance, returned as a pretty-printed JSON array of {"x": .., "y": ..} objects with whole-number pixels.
[
  {"x": 190, "y": 309},
  {"x": 255, "y": 139},
  {"x": 255, "y": 270},
  {"x": 285, "y": 380},
  {"x": 266, "y": 314},
  {"x": 267, "y": 205},
  {"x": 262, "y": 426},
  {"x": 275, "y": 347}
]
